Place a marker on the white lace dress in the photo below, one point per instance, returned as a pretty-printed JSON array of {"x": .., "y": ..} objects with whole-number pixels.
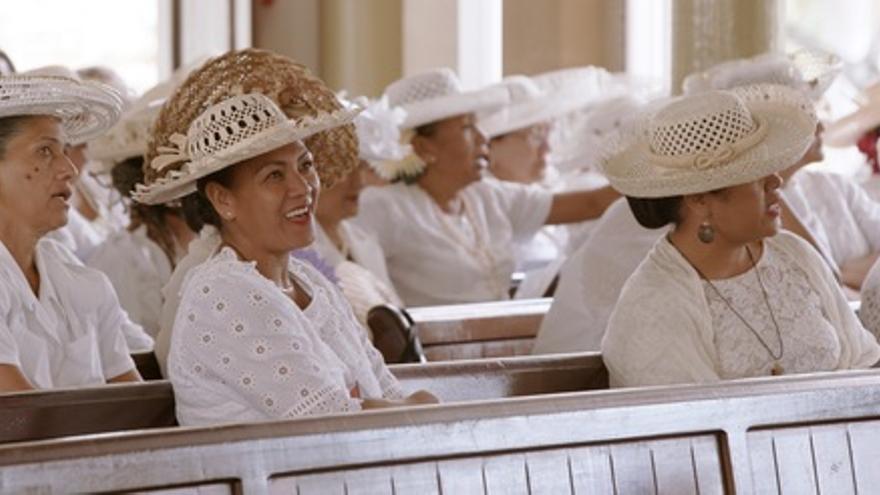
[
  {"x": 241, "y": 350},
  {"x": 810, "y": 342},
  {"x": 869, "y": 311}
]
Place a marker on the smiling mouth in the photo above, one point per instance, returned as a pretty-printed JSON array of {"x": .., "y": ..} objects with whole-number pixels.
[{"x": 299, "y": 213}]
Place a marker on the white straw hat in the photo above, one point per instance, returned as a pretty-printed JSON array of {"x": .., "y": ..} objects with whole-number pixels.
[
  {"x": 85, "y": 109},
  {"x": 231, "y": 131},
  {"x": 436, "y": 95},
  {"x": 807, "y": 70},
  {"x": 713, "y": 140},
  {"x": 526, "y": 107}
]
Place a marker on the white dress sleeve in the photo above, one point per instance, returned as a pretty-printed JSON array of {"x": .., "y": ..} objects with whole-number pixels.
[
  {"x": 237, "y": 333},
  {"x": 117, "y": 335},
  {"x": 377, "y": 214},
  {"x": 8, "y": 347},
  {"x": 865, "y": 211},
  {"x": 869, "y": 311},
  {"x": 527, "y": 207}
]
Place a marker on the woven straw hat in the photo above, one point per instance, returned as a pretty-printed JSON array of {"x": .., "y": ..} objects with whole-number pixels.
[
  {"x": 85, "y": 109},
  {"x": 277, "y": 100},
  {"x": 848, "y": 130},
  {"x": 712, "y": 140},
  {"x": 436, "y": 95},
  {"x": 808, "y": 70}
]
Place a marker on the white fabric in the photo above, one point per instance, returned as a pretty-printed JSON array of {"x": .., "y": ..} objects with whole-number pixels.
[
  {"x": 364, "y": 277},
  {"x": 869, "y": 310},
  {"x": 591, "y": 280},
  {"x": 661, "y": 330},
  {"x": 72, "y": 334},
  {"x": 243, "y": 351},
  {"x": 138, "y": 269},
  {"x": 79, "y": 235},
  {"x": 837, "y": 211},
  {"x": 199, "y": 250},
  {"x": 809, "y": 342},
  {"x": 438, "y": 258}
]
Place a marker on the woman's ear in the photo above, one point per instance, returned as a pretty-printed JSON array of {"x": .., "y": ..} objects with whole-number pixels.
[
  {"x": 222, "y": 200},
  {"x": 424, "y": 148}
]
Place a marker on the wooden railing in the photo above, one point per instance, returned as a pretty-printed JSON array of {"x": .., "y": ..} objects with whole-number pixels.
[{"x": 798, "y": 434}]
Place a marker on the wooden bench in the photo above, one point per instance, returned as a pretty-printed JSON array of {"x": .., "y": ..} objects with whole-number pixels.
[
  {"x": 56, "y": 413},
  {"x": 463, "y": 331},
  {"x": 791, "y": 435}
]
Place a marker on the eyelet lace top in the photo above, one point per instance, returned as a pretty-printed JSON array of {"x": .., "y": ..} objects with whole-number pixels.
[
  {"x": 241, "y": 350},
  {"x": 811, "y": 343}
]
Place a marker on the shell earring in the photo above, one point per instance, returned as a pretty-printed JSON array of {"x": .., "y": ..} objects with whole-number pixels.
[{"x": 706, "y": 234}]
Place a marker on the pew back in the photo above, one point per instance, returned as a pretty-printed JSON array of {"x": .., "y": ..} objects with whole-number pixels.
[
  {"x": 462, "y": 331},
  {"x": 804, "y": 434},
  {"x": 118, "y": 407}
]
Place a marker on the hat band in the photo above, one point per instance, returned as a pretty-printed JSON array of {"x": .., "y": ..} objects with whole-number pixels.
[{"x": 725, "y": 153}]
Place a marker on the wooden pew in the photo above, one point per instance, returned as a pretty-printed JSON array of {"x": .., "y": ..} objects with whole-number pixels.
[
  {"x": 792, "y": 435},
  {"x": 463, "y": 331},
  {"x": 50, "y": 414}
]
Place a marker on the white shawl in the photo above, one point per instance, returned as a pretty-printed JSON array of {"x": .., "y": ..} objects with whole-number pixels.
[{"x": 661, "y": 329}]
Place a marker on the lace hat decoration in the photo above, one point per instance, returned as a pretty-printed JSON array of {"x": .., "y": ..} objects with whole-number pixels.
[
  {"x": 807, "y": 70},
  {"x": 436, "y": 95},
  {"x": 86, "y": 109},
  {"x": 708, "y": 141},
  {"x": 260, "y": 84}
]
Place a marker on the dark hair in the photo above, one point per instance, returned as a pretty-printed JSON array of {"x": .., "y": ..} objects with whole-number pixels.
[
  {"x": 201, "y": 209},
  {"x": 9, "y": 127},
  {"x": 426, "y": 130},
  {"x": 653, "y": 213},
  {"x": 5, "y": 58}
]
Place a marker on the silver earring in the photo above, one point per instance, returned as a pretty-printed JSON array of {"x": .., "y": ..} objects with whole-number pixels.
[{"x": 706, "y": 234}]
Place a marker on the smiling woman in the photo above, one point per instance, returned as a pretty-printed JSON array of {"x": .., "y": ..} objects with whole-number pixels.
[
  {"x": 60, "y": 323},
  {"x": 258, "y": 334}
]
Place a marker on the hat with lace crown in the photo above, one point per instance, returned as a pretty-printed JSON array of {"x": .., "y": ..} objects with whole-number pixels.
[
  {"x": 238, "y": 106},
  {"x": 436, "y": 95},
  {"x": 808, "y": 70},
  {"x": 85, "y": 108},
  {"x": 712, "y": 140}
]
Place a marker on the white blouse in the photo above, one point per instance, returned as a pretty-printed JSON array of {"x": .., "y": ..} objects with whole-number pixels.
[
  {"x": 241, "y": 350},
  {"x": 869, "y": 311},
  {"x": 79, "y": 235},
  {"x": 72, "y": 334},
  {"x": 591, "y": 280},
  {"x": 439, "y": 258},
  {"x": 138, "y": 269},
  {"x": 809, "y": 342},
  {"x": 362, "y": 273},
  {"x": 838, "y": 212},
  {"x": 664, "y": 331}
]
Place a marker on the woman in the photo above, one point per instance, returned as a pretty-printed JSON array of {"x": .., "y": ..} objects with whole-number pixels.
[
  {"x": 258, "y": 335},
  {"x": 139, "y": 259},
  {"x": 60, "y": 323},
  {"x": 725, "y": 294},
  {"x": 448, "y": 236},
  {"x": 353, "y": 253}
]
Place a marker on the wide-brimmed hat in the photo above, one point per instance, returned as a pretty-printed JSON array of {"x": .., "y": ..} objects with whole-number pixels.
[
  {"x": 811, "y": 71},
  {"x": 85, "y": 109},
  {"x": 238, "y": 106},
  {"x": 847, "y": 131},
  {"x": 436, "y": 95},
  {"x": 712, "y": 140}
]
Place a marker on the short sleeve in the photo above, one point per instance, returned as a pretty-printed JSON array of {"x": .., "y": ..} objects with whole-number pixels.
[
  {"x": 8, "y": 346},
  {"x": 114, "y": 327},
  {"x": 231, "y": 334},
  {"x": 526, "y": 206}
]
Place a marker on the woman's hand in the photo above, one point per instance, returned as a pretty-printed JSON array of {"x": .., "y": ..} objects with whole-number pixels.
[{"x": 420, "y": 397}]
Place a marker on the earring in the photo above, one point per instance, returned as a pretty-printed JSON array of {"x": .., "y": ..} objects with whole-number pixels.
[
  {"x": 706, "y": 234},
  {"x": 227, "y": 215}
]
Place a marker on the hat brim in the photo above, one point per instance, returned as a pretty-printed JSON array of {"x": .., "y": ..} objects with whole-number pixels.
[
  {"x": 86, "y": 109},
  {"x": 532, "y": 112},
  {"x": 791, "y": 129},
  {"x": 435, "y": 109},
  {"x": 179, "y": 183}
]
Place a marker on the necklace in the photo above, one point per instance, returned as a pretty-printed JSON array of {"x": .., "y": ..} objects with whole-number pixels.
[{"x": 777, "y": 368}]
